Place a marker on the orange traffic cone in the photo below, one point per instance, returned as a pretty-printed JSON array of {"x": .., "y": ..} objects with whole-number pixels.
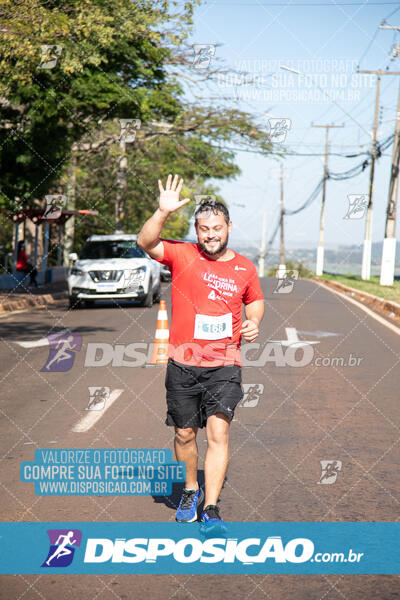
[{"x": 161, "y": 341}]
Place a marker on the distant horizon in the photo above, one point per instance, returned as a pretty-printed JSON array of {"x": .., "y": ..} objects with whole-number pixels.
[{"x": 288, "y": 245}]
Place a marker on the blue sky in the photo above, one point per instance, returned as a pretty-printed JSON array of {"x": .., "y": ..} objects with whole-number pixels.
[{"x": 326, "y": 40}]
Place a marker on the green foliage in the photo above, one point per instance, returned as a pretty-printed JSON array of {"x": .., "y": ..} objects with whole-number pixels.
[
  {"x": 371, "y": 286},
  {"x": 193, "y": 158},
  {"x": 110, "y": 66},
  {"x": 114, "y": 63}
]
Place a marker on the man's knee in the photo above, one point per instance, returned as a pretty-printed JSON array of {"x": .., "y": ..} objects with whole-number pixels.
[
  {"x": 185, "y": 436},
  {"x": 218, "y": 429}
]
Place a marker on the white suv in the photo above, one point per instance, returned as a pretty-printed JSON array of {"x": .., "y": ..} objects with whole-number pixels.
[{"x": 113, "y": 267}]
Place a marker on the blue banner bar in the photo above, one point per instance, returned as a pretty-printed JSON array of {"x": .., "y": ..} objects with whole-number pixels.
[
  {"x": 157, "y": 548},
  {"x": 103, "y": 472}
]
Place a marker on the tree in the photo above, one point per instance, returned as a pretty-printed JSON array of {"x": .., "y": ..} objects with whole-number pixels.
[
  {"x": 112, "y": 60},
  {"x": 194, "y": 145},
  {"x": 64, "y": 67}
]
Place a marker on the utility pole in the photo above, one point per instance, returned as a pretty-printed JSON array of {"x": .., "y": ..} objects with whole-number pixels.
[
  {"x": 389, "y": 243},
  {"x": 120, "y": 204},
  {"x": 320, "y": 250},
  {"x": 366, "y": 259},
  {"x": 69, "y": 232},
  {"x": 128, "y": 131},
  {"x": 262, "y": 247},
  {"x": 282, "y": 264}
]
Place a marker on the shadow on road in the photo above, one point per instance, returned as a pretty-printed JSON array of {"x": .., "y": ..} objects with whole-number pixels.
[{"x": 28, "y": 330}]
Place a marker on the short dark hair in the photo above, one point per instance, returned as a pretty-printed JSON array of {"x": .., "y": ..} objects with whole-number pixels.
[{"x": 212, "y": 206}]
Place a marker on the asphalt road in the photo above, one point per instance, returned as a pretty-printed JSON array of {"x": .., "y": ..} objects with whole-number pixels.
[{"x": 296, "y": 416}]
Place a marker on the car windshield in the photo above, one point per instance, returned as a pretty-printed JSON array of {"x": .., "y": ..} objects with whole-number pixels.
[{"x": 111, "y": 249}]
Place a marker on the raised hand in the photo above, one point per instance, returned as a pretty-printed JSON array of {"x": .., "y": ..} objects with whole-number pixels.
[{"x": 169, "y": 197}]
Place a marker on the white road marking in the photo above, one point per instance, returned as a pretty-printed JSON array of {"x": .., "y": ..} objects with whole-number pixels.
[
  {"x": 292, "y": 339},
  {"x": 320, "y": 334},
  {"x": 43, "y": 341},
  {"x": 94, "y": 415},
  {"x": 369, "y": 312}
]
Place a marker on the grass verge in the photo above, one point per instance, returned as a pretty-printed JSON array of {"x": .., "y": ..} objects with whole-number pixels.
[{"x": 371, "y": 287}]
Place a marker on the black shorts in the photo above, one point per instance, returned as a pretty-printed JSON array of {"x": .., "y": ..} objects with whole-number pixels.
[{"x": 195, "y": 393}]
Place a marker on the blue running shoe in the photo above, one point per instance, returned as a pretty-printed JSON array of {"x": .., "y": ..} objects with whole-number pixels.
[
  {"x": 187, "y": 509},
  {"x": 211, "y": 522}
]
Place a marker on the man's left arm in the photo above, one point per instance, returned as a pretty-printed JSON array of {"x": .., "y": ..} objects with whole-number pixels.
[{"x": 254, "y": 313}]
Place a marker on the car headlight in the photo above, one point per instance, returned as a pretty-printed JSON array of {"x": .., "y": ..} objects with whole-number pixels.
[
  {"x": 135, "y": 276},
  {"x": 76, "y": 271}
]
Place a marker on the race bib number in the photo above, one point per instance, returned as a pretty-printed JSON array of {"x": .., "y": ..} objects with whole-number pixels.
[{"x": 213, "y": 328}]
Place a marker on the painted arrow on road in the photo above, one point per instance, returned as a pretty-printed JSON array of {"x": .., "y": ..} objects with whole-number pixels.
[{"x": 292, "y": 339}]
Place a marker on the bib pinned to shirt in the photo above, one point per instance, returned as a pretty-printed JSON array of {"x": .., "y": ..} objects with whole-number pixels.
[{"x": 207, "y": 327}]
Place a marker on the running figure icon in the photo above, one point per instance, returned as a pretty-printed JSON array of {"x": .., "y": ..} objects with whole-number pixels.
[
  {"x": 62, "y": 549},
  {"x": 64, "y": 347}
]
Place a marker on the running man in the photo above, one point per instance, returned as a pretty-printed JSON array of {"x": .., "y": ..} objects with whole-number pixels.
[
  {"x": 62, "y": 549},
  {"x": 210, "y": 284}
]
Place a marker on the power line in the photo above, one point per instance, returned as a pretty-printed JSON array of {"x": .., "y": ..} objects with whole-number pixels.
[
  {"x": 392, "y": 13},
  {"x": 296, "y": 153},
  {"x": 290, "y": 5},
  {"x": 369, "y": 45},
  {"x": 310, "y": 199}
]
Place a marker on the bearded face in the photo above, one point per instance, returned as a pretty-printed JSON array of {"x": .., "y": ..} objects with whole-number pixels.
[{"x": 212, "y": 233}]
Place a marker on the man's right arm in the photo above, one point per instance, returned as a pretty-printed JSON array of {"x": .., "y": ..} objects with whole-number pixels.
[
  {"x": 169, "y": 202},
  {"x": 149, "y": 236}
]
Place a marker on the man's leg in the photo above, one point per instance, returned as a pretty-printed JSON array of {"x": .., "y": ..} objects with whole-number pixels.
[
  {"x": 186, "y": 450},
  {"x": 217, "y": 456}
]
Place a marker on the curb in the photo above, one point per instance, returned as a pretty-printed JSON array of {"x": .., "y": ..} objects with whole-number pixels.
[
  {"x": 32, "y": 301},
  {"x": 388, "y": 308}
]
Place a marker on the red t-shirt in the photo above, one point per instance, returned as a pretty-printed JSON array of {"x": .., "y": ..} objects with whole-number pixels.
[
  {"x": 207, "y": 299},
  {"x": 22, "y": 261}
]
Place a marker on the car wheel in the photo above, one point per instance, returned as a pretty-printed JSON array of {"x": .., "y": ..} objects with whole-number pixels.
[
  {"x": 149, "y": 298},
  {"x": 74, "y": 302},
  {"x": 157, "y": 296}
]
